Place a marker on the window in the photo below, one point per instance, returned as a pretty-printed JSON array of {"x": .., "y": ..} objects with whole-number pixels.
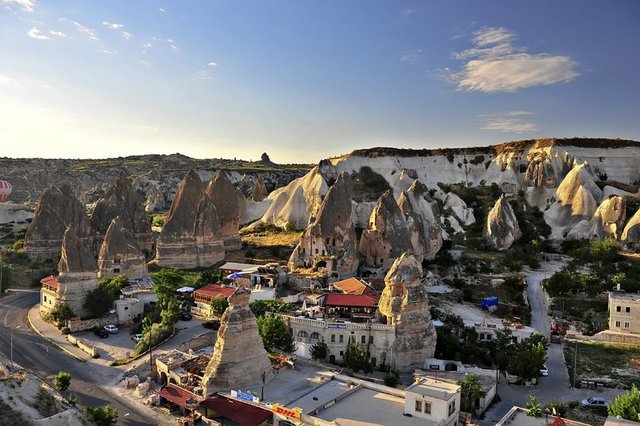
[
  {"x": 341, "y": 338},
  {"x": 302, "y": 333},
  {"x": 363, "y": 339},
  {"x": 617, "y": 323},
  {"x": 315, "y": 335},
  {"x": 316, "y": 251},
  {"x": 627, "y": 325},
  {"x": 627, "y": 309},
  {"x": 327, "y": 241},
  {"x": 126, "y": 308},
  {"x": 427, "y": 407},
  {"x": 341, "y": 353},
  {"x": 303, "y": 250},
  {"x": 418, "y": 406},
  {"x": 452, "y": 407},
  {"x": 618, "y": 308},
  {"x": 371, "y": 340},
  {"x": 45, "y": 298},
  {"x": 116, "y": 270},
  {"x": 333, "y": 338}
]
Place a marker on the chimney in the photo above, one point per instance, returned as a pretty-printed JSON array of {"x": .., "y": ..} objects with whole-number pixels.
[{"x": 618, "y": 287}]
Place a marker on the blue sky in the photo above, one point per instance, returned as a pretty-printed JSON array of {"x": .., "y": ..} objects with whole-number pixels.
[{"x": 304, "y": 80}]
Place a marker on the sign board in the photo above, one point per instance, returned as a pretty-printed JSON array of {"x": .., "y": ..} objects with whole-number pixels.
[
  {"x": 336, "y": 326},
  {"x": 292, "y": 413},
  {"x": 245, "y": 396}
]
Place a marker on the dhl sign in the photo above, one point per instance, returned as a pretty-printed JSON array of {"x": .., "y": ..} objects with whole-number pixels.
[{"x": 292, "y": 413}]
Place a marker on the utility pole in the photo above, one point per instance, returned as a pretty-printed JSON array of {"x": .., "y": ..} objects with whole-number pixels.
[{"x": 575, "y": 363}]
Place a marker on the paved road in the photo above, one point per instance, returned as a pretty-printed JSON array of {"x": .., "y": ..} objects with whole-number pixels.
[{"x": 44, "y": 359}]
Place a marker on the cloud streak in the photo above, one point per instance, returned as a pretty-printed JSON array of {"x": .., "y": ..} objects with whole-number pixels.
[
  {"x": 89, "y": 32},
  {"x": 508, "y": 122},
  {"x": 27, "y": 5},
  {"x": 37, "y": 34},
  {"x": 111, "y": 25},
  {"x": 495, "y": 65}
]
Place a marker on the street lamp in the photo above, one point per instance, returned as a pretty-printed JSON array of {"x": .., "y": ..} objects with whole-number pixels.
[{"x": 11, "y": 334}]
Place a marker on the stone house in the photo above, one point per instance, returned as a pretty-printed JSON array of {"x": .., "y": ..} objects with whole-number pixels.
[
  {"x": 624, "y": 312},
  {"x": 433, "y": 400}
]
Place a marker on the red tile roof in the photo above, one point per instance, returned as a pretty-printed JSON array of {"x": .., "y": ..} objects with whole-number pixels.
[
  {"x": 350, "y": 286},
  {"x": 51, "y": 280},
  {"x": 214, "y": 290},
  {"x": 236, "y": 411},
  {"x": 351, "y": 300},
  {"x": 177, "y": 395}
]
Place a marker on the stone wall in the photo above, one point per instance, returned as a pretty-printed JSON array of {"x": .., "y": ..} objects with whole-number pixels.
[{"x": 76, "y": 325}]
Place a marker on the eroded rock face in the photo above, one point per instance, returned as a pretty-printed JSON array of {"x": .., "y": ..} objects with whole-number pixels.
[
  {"x": 123, "y": 201},
  {"x": 607, "y": 221},
  {"x": 422, "y": 217},
  {"x": 230, "y": 204},
  {"x": 501, "y": 228},
  {"x": 387, "y": 236},
  {"x": 259, "y": 191},
  {"x": 55, "y": 211},
  {"x": 77, "y": 271},
  {"x": 405, "y": 304},
  {"x": 239, "y": 359},
  {"x": 191, "y": 236},
  {"x": 120, "y": 254},
  {"x": 631, "y": 232},
  {"x": 330, "y": 240}
]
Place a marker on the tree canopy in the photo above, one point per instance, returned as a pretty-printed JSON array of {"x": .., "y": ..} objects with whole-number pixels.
[
  {"x": 275, "y": 335},
  {"x": 627, "y": 405}
]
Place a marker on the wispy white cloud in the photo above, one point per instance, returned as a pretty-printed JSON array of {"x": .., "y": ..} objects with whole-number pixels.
[
  {"x": 161, "y": 9},
  {"x": 147, "y": 45},
  {"x": 508, "y": 122},
  {"x": 495, "y": 65},
  {"x": 108, "y": 52},
  {"x": 145, "y": 62},
  {"x": 409, "y": 58},
  {"x": 27, "y": 5},
  {"x": 212, "y": 64},
  {"x": 203, "y": 75},
  {"x": 89, "y": 32},
  {"x": 37, "y": 34},
  {"x": 5, "y": 80},
  {"x": 172, "y": 44},
  {"x": 407, "y": 12},
  {"x": 127, "y": 35},
  {"x": 112, "y": 26},
  {"x": 59, "y": 34}
]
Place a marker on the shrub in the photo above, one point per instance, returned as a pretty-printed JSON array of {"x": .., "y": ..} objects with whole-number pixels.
[
  {"x": 391, "y": 379},
  {"x": 62, "y": 381}
]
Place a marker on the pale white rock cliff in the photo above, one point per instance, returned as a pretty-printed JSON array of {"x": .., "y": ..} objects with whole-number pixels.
[{"x": 501, "y": 228}]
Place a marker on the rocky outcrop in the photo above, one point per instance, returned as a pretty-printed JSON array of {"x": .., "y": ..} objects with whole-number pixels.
[
  {"x": 259, "y": 191},
  {"x": 120, "y": 254},
  {"x": 121, "y": 200},
  {"x": 191, "y": 236},
  {"x": 330, "y": 240},
  {"x": 77, "y": 271},
  {"x": 230, "y": 204},
  {"x": 405, "y": 304},
  {"x": 631, "y": 233},
  {"x": 501, "y": 228},
  {"x": 239, "y": 359},
  {"x": 57, "y": 209},
  {"x": 461, "y": 211},
  {"x": 607, "y": 221},
  {"x": 421, "y": 214},
  {"x": 387, "y": 236}
]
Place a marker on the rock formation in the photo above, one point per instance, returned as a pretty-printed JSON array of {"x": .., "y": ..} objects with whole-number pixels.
[
  {"x": 77, "y": 271},
  {"x": 631, "y": 232},
  {"x": 421, "y": 214},
  {"x": 239, "y": 359},
  {"x": 123, "y": 201},
  {"x": 259, "y": 191},
  {"x": 405, "y": 304},
  {"x": 501, "y": 228},
  {"x": 120, "y": 253},
  {"x": 230, "y": 204},
  {"x": 330, "y": 240},
  {"x": 387, "y": 236},
  {"x": 55, "y": 211},
  {"x": 191, "y": 236},
  {"x": 607, "y": 221}
]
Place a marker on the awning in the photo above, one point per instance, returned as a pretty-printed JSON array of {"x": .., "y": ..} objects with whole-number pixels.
[
  {"x": 236, "y": 411},
  {"x": 179, "y": 396},
  {"x": 235, "y": 275},
  {"x": 185, "y": 290}
]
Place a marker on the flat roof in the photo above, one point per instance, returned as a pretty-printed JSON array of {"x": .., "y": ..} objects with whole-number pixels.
[
  {"x": 369, "y": 407},
  {"x": 320, "y": 395},
  {"x": 236, "y": 411},
  {"x": 237, "y": 266},
  {"x": 517, "y": 416},
  {"x": 434, "y": 388},
  {"x": 214, "y": 290},
  {"x": 351, "y": 300},
  {"x": 614, "y": 295}
]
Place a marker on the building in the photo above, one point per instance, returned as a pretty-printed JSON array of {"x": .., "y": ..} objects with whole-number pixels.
[
  {"x": 434, "y": 400},
  {"x": 352, "y": 307},
  {"x": 354, "y": 286},
  {"x": 129, "y": 310},
  {"x": 229, "y": 410},
  {"x": 202, "y": 298},
  {"x": 624, "y": 312},
  {"x": 519, "y": 416},
  {"x": 49, "y": 293}
]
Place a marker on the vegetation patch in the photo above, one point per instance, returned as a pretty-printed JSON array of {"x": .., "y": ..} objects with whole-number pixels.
[
  {"x": 368, "y": 185},
  {"x": 602, "y": 362}
]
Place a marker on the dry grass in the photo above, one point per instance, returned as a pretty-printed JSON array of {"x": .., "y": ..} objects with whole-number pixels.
[{"x": 272, "y": 238}]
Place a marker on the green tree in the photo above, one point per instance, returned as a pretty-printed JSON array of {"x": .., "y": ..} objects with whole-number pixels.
[
  {"x": 169, "y": 311},
  {"x": 391, "y": 379},
  {"x": 626, "y": 406},
  {"x": 103, "y": 416},
  {"x": 534, "y": 407},
  {"x": 260, "y": 307},
  {"x": 62, "y": 381},
  {"x": 320, "y": 350},
  {"x": 275, "y": 335},
  {"x": 355, "y": 357},
  {"x": 62, "y": 313},
  {"x": 98, "y": 302},
  {"x": 471, "y": 390},
  {"x": 219, "y": 304}
]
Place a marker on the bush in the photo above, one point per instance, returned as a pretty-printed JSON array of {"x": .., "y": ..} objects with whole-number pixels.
[
  {"x": 62, "y": 381},
  {"x": 103, "y": 416},
  {"x": 391, "y": 379}
]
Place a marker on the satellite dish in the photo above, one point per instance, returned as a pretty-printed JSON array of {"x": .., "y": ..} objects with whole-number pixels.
[{"x": 5, "y": 190}]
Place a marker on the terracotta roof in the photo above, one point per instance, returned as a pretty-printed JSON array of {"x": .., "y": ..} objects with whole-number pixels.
[
  {"x": 236, "y": 411},
  {"x": 351, "y": 286},
  {"x": 213, "y": 290},
  {"x": 51, "y": 280},
  {"x": 177, "y": 395},
  {"x": 354, "y": 300}
]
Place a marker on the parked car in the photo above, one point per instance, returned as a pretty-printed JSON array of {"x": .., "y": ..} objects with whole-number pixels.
[
  {"x": 213, "y": 325},
  {"x": 111, "y": 328},
  {"x": 594, "y": 401},
  {"x": 185, "y": 316},
  {"x": 136, "y": 337},
  {"x": 544, "y": 371},
  {"x": 101, "y": 332}
]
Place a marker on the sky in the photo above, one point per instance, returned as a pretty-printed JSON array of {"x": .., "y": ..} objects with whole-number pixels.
[{"x": 305, "y": 80}]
